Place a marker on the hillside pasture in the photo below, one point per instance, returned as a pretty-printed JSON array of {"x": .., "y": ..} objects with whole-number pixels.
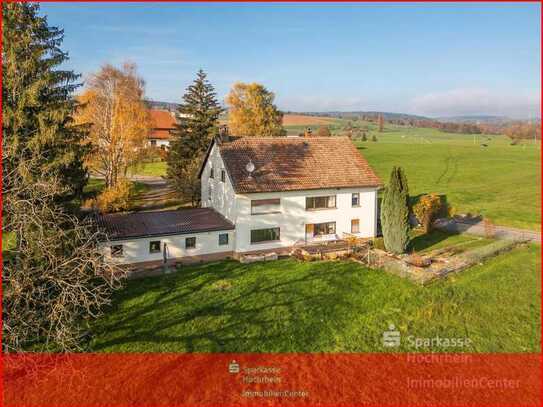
[{"x": 477, "y": 173}]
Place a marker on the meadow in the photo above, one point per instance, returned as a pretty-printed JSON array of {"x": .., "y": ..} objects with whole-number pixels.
[{"x": 327, "y": 306}]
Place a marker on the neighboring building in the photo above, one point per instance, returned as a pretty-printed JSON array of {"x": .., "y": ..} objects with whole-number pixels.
[
  {"x": 265, "y": 194},
  {"x": 163, "y": 124}
]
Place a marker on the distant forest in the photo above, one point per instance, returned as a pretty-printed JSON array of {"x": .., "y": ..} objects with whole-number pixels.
[{"x": 514, "y": 129}]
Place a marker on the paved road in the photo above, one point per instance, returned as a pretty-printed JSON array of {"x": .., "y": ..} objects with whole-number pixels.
[{"x": 477, "y": 228}]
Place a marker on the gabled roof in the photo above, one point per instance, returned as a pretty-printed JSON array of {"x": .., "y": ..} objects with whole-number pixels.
[
  {"x": 295, "y": 163},
  {"x": 163, "y": 122},
  {"x": 118, "y": 226}
]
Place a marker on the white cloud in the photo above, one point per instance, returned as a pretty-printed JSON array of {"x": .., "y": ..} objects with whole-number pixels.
[{"x": 476, "y": 101}]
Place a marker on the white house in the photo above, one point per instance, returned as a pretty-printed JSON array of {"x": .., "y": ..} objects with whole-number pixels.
[
  {"x": 285, "y": 191},
  {"x": 268, "y": 194}
]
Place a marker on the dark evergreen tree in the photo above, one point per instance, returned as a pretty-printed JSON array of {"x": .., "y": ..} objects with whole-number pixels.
[
  {"x": 395, "y": 213},
  {"x": 37, "y": 100},
  {"x": 197, "y": 125},
  {"x": 373, "y": 138},
  {"x": 364, "y": 137}
]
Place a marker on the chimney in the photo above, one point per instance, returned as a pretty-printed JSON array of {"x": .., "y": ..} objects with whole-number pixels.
[{"x": 223, "y": 133}]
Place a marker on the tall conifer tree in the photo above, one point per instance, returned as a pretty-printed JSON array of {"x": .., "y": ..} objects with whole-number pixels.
[
  {"x": 37, "y": 101},
  {"x": 197, "y": 125},
  {"x": 395, "y": 212}
]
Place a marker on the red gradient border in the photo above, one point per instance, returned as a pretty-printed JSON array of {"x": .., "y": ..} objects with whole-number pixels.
[
  {"x": 153, "y": 379},
  {"x": 312, "y": 379}
]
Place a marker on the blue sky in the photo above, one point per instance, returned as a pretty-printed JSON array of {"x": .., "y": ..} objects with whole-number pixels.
[{"x": 430, "y": 59}]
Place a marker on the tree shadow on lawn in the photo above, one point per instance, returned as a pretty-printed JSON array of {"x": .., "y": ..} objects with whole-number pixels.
[
  {"x": 423, "y": 241},
  {"x": 259, "y": 313}
]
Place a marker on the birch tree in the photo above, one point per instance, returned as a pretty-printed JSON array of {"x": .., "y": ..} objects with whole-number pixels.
[{"x": 114, "y": 109}]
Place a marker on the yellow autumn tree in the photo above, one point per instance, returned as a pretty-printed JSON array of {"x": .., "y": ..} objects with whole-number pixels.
[
  {"x": 251, "y": 111},
  {"x": 113, "y": 107}
]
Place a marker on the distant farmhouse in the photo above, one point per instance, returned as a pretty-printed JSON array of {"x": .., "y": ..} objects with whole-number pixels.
[
  {"x": 163, "y": 122},
  {"x": 259, "y": 195}
]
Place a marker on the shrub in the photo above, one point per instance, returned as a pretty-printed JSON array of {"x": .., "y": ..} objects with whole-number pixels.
[
  {"x": 373, "y": 138},
  {"x": 364, "y": 137},
  {"x": 427, "y": 209},
  {"x": 116, "y": 198}
]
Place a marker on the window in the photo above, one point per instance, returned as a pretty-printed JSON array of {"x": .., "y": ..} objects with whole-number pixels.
[
  {"x": 223, "y": 239},
  {"x": 211, "y": 174},
  {"x": 223, "y": 176},
  {"x": 262, "y": 206},
  {"x": 117, "y": 250},
  {"x": 320, "y": 202},
  {"x": 264, "y": 235},
  {"x": 355, "y": 226},
  {"x": 328, "y": 228},
  {"x": 190, "y": 243},
  {"x": 153, "y": 143},
  {"x": 355, "y": 200},
  {"x": 154, "y": 246}
]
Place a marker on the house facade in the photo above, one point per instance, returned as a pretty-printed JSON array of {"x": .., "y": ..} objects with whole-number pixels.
[
  {"x": 280, "y": 192},
  {"x": 258, "y": 195}
]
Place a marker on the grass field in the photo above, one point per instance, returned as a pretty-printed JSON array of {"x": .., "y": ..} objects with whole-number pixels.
[
  {"x": 286, "y": 306},
  {"x": 153, "y": 169},
  {"x": 500, "y": 181}
]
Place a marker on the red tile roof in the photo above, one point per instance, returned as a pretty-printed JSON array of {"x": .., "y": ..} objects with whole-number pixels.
[
  {"x": 297, "y": 163},
  {"x": 118, "y": 226},
  {"x": 163, "y": 123}
]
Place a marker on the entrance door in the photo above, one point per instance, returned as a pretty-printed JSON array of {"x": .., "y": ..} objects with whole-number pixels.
[{"x": 309, "y": 230}]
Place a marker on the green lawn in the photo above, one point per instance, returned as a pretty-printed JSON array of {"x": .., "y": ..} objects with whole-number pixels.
[
  {"x": 153, "y": 169},
  {"x": 286, "y": 306},
  {"x": 436, "y": 239},
  {"x": 501, "y": 182}
]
